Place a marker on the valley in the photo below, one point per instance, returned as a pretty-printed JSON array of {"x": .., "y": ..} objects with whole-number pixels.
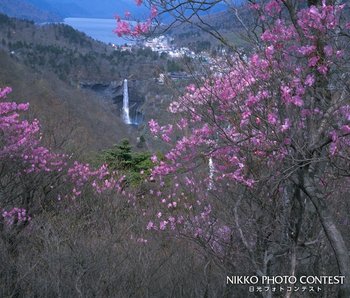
[{"x": 67, "y": 65}]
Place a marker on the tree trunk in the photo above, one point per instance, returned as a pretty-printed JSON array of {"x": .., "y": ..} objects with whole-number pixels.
[{"x": 333, "y": 235}]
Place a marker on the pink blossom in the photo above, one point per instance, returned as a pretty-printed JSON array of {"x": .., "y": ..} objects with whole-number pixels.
[
  {"x": 154, "y": 158},
  {"x": 139, "y": 2},
  {"x": 328, "y": 50},
  {"x": 127, "y": 14},
  {"x": 307, "y": 50},
  {"x": 313, "y": 61},
  {"x": 323, "y": 69},
  {"x": 273, "y": 7},
  {"x": 150, "y": 225},
  {"x": 163, "y": 224},
  {"x": 254, "y": 6},
  {"x": 154, "y": 11},
  {"x": 123, "y": 28},
  {"x": 296, "y": 100},
  {"x": 310, "y": 80},
  {"x": 16, "y": 216},
  {"x": 270, "y": 51},
  {"x": 272, "y": 118},
  {"x": 154, "y": 126},
  {"x": 286, "y": 125},
  {"x": 345, "y": 129}
]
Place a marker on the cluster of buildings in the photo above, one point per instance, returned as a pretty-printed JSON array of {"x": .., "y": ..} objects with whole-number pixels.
[
  {"x": 161, "y": 44},
  {"x": 164, "y": 44}
]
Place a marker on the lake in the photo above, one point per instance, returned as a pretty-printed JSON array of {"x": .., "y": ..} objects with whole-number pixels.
[{"x": 99, "y": 29}]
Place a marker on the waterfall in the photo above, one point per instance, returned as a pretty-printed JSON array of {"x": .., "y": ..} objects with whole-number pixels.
[
  {"x": 211, "y": 173},
  {"x": 126, "y": 115}
]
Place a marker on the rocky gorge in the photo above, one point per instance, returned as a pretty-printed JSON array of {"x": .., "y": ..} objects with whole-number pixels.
[{"x": 112, "y": 92}]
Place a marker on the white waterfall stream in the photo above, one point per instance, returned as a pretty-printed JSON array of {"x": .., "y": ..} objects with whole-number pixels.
[
  {"x": 126, "y": 113},
  {"x": 211, "y": 173}
]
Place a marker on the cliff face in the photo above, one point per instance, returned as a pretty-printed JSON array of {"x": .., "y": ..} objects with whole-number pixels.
[{"x": 112, "y": 92}]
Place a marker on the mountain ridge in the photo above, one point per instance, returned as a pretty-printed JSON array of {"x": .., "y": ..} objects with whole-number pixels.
[
  {"x": 57, "y": 10},
  {"x": 25, "y": 10}
]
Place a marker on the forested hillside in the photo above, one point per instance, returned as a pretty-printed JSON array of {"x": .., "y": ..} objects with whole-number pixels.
[
  {"x": 71, "y": 54},
  {"x": 61, "y": 72}
]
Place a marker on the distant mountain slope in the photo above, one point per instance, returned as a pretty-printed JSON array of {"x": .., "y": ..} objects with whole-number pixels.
[
  {"x": 224, "y": 22},
  {"x": 57, "y": 10},
  {"x": 89, "y": 8},
  {"x": 62, "y": 8},
  {"x": 23, "y": 9},
  {"x": 54, "y": 10}
]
